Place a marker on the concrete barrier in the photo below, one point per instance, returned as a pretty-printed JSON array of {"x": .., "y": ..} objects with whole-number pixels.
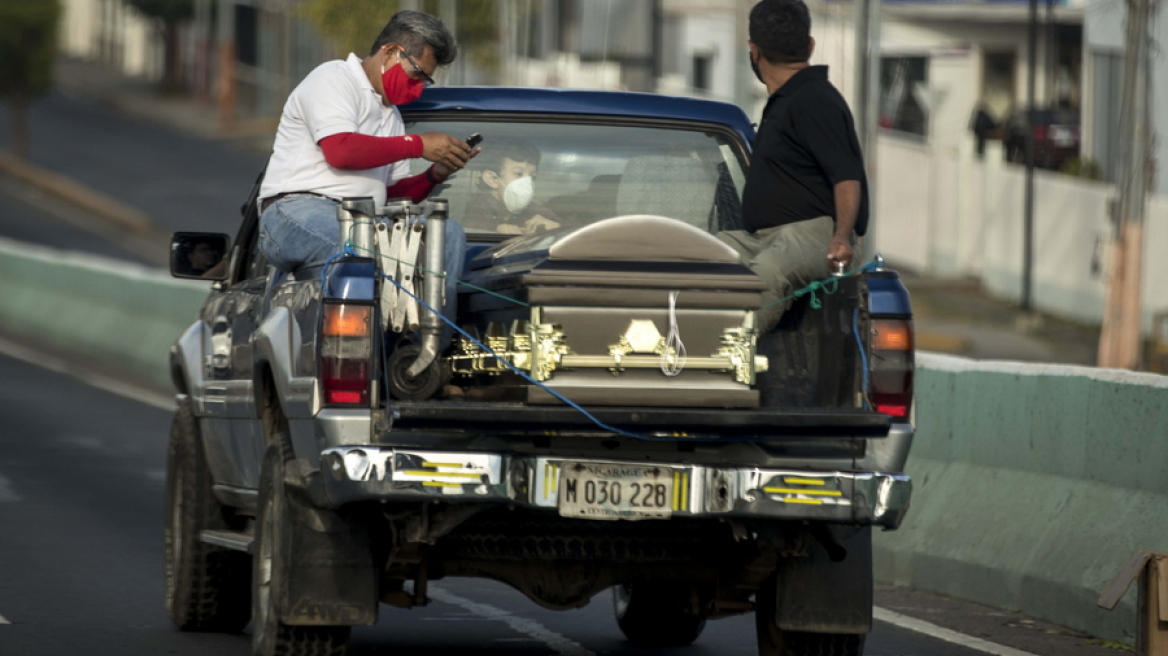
[
  {"x": 119, "y": 313},
  {"x": 1032, "y": 485}
]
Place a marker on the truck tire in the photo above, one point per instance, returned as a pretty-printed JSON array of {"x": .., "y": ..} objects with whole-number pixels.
[
  {"x": 270, "y": 636},
  {"x": 206, "y": 586},
  {"x": 656, "y": 614},
  {"x": 773, "y": 641}
]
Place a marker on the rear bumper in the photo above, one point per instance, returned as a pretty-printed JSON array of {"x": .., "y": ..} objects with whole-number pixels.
[{"x": 369, "y": 473}]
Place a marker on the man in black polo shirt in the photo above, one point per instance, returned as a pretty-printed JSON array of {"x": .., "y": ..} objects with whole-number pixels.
[{"x": 806, "y": 194}]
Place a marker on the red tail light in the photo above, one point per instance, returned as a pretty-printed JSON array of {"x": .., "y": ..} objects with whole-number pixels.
[
  {"x": 1040, "y": 133},
  {"x": 346, "y": 353},
  {"x": 890, "y": 376}
]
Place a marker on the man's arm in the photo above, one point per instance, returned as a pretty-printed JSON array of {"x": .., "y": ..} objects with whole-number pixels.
[{"x": 847, "y": 208}]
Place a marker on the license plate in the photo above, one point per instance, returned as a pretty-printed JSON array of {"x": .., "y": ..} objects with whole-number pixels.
[{"x": 592, "y": 491}]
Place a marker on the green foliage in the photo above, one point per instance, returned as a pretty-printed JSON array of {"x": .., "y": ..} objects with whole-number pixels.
[
  {"x": 353, "y": 25},
  {"x": 28, "y": 44},
  {"x": 1083, "y": 167},
  {"x": 170, "y": 11}
]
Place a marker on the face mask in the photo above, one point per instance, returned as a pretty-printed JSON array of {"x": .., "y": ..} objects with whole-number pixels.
[
  {"x": 754, "y": 67},
  {"x": 400, "y": 89},
  {"x": 518, "y": 194}
]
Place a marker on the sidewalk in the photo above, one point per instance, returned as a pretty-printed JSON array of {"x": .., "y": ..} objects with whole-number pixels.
[{"x": 952, "y": 316}]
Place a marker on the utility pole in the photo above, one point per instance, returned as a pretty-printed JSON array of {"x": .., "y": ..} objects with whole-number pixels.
[
  {"x": 1028, "y": 198},
  {"x": 1120, "y": 341},
  {"x": 867, "y": 97}
]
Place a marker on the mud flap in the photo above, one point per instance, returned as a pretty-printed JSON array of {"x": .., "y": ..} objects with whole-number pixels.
[
  {"x": 818, "y": 595},
  {"x": 330, "y": 578}
]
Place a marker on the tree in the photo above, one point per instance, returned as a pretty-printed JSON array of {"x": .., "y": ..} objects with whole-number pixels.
[
  {"x": 352, "y": 25},
  {"x": 172, "y": 13},
  {"x": 28, "y": 43}
]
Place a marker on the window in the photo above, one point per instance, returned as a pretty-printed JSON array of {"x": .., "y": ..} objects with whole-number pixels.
[
  {"x": 902, "y": 83},
  {"x": 701, "y": 72},
  {"x": 590, "y": 172}
]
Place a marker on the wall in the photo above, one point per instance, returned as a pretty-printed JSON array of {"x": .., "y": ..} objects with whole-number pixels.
[
  {"x": 116, "y": 312},
  {"x": 1032, "y": 485},
  {"x": 947, "y": 213}
]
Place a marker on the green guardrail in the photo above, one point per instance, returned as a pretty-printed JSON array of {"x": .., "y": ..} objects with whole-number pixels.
[{"x": 118, "y": 313}]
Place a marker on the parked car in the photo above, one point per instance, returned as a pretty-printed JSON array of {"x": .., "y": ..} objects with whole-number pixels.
[
  {"x": 1056, "y": 137},
  {"x": 701, "y": 469}
]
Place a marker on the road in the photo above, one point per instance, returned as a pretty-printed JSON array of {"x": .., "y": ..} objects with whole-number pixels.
[{"x": 82, "y": 462}]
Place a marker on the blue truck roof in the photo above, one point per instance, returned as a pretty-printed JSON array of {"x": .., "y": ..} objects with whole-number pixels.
[{"x": 584, "y": 102}]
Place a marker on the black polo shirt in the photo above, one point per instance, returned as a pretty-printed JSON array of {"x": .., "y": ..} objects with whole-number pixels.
[{"x": 806, "y": 144}]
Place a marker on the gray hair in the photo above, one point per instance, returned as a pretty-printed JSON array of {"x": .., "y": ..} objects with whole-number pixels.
[{"x": 414, "y": 30}]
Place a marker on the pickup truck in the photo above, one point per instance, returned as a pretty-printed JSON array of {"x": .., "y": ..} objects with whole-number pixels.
[{"x": 605, "y": 417}]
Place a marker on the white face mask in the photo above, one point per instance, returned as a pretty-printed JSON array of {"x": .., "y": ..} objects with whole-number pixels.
[{"x": 518, "y": 194}]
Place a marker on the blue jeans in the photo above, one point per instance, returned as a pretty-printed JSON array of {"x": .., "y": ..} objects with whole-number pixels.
[{"x": 302, "y": 231}]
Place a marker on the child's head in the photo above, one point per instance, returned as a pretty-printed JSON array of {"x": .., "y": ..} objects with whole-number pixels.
[{"x": 505, "y": 164}]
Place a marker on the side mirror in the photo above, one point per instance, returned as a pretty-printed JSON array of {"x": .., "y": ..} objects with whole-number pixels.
[{"x": 200, "y": 255}]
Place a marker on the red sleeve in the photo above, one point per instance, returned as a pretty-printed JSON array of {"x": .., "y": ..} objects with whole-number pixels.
[
  {"x": 416, "y": 188},
  {"x": 353, "y": 151}
]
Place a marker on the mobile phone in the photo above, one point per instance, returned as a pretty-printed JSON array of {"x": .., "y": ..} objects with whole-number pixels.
[{"x": 474, "y": 139}]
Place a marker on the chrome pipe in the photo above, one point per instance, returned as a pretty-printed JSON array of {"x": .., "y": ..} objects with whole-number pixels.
[{"x": 434, "y": 288}]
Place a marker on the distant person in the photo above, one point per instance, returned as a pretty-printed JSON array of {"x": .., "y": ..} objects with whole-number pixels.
[
  {"x": 983, "y": 127},
  {"x": 806, "y": 194},
  {"x": 341, "y": 135},
  {"x": 507, "y": 190}
]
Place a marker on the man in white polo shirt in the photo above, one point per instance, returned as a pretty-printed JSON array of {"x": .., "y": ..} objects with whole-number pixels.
[{"x": 341, "y": 135}]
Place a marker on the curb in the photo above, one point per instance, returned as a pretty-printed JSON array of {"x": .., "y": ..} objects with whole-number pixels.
[{"x": 123, "y": 216}]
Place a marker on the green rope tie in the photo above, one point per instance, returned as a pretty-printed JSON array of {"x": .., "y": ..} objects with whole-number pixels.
[{"x": 818, "y": 288}]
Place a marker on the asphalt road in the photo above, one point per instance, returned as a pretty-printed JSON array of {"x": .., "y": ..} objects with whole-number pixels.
[{"x": 81, "y": 507}]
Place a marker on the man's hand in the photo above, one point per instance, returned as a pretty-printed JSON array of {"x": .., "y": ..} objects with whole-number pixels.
[
  {"x": 448, "y": 153},
  {"x": 839, "y": 252}
]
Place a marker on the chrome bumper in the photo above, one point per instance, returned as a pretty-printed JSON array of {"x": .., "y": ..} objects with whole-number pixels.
[{"x": 364, "y": 473}]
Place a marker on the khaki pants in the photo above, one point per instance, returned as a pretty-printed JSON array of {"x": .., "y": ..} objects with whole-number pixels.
[{"x": 787, "y": 258}]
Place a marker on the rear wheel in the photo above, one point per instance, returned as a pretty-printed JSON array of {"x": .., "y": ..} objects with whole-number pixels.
[
  {"x": 656, "y": 614},
  {"x": 270, "y": 636},
  {"x": 206, "y": 586},
  {"x": 773, "y": 641}
]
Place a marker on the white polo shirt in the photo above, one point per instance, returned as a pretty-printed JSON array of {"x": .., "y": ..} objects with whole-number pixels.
[{"x": 336, "y": 97}]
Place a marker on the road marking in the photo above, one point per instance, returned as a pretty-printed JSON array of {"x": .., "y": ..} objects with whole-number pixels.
[
  {"x": 3, "y": 620},
  {"x": 530, "y": 628},
  {"x": 7, "y": 494},
  {"x": 941, "y": 633},
  {"x": 58, "y": 365}
]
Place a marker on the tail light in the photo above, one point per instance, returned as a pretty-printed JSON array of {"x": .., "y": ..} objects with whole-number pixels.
[
  {"x": 346, "y": 353},
  {"x": 890, "y": 376},
  {"x": 1040, "y": 133}
]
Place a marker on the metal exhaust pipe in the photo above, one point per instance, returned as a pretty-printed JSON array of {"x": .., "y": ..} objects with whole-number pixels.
[{"x": 434, "y": 291}]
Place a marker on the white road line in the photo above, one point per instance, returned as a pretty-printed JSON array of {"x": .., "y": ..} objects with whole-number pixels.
[
  {"x": 7, "y": 494},
  {"x": 41, "y": 359},
  {"x": 530, "y": 628},
  {"x": 941, "y": 633},
  {"x": 3, "y": 620}
]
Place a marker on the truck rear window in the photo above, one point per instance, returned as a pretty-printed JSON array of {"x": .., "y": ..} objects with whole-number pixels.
[{"x": 583, "y": 173}]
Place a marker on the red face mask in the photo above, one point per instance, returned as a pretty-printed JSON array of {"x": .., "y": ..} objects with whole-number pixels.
[{"x": 401, "y": 89}]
